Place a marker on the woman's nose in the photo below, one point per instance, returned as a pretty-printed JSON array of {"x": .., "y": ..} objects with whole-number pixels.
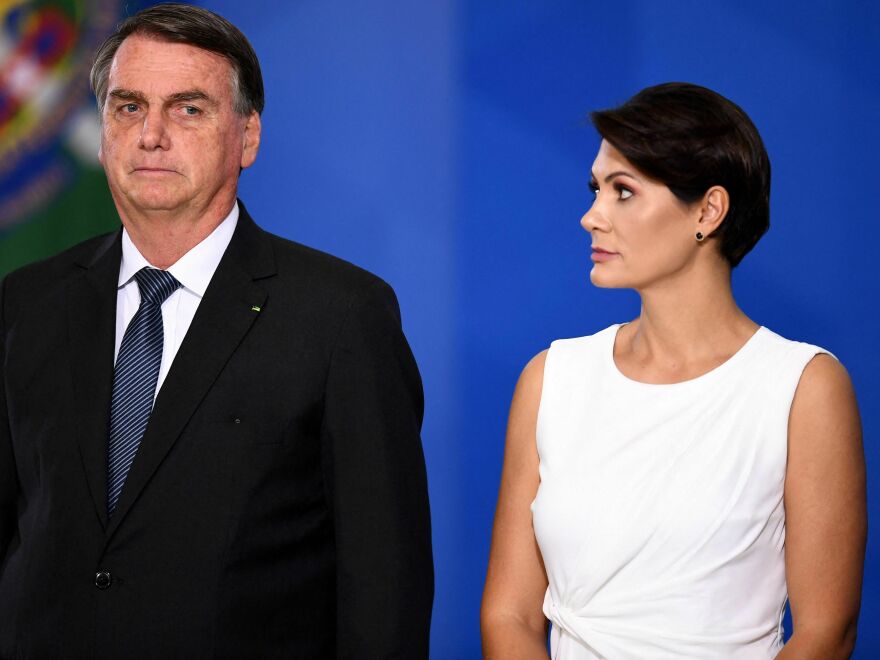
[{"x": 595, "y": 220}]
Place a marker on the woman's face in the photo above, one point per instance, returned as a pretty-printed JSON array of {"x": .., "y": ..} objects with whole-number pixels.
[{"x": 641, "y": 233}]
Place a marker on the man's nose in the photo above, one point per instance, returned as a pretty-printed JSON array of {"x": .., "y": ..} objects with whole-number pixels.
[{"x": 154, "y": 132}]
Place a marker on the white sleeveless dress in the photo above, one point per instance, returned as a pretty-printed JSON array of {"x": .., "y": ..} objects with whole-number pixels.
[{"x": 659, "y": 514}]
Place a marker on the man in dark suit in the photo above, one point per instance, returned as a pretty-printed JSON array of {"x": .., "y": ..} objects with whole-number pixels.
[{"x": 209, "y": 435}]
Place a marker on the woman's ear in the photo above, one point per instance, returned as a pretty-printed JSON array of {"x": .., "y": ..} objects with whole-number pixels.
[{"x": 713, "y": 210}]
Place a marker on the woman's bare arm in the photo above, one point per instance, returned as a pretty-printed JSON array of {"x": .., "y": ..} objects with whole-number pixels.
[
  {"x": 826, "y": 513},
  {"x": 513, "y": 625}
]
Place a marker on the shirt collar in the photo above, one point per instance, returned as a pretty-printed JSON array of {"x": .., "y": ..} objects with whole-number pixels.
[{"x": 193, "y": 270}]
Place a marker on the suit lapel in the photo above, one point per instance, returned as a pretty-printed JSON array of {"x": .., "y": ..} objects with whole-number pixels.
[
  {"x": 91, "y": 317},
  {"x": 223, "y": 318}
]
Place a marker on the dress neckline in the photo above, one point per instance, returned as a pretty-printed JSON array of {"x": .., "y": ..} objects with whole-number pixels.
[{"x": 708, "y": 376}]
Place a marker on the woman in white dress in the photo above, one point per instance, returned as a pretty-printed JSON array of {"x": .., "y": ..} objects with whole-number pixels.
[{"x": 668, "y": 483}]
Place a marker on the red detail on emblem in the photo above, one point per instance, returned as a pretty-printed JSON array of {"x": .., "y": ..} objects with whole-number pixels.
[{"x": 48, "y": 36}]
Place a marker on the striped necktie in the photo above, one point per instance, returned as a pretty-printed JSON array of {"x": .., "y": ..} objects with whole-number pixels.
[{"x": 135, "y": 377}]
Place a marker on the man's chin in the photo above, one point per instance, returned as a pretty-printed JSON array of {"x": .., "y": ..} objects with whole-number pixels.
[{"x": 154, "y": 202}]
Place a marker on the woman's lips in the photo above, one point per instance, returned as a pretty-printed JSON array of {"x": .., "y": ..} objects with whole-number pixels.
[{"x": 599, "y": 255}]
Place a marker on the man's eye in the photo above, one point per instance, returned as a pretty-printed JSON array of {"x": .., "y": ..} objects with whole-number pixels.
[
  {"x": 191, "y": 110},
  {"x": 130, "y": 107}
]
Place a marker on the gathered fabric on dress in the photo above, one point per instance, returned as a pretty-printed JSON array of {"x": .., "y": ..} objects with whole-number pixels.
[{"x": 660, "y": 512}]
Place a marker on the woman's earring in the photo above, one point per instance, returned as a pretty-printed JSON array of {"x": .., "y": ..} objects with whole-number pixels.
[{"x": 700, "y": 237}]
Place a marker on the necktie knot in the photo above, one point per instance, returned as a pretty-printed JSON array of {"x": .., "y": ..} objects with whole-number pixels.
[{"x": 155, "y": 285}]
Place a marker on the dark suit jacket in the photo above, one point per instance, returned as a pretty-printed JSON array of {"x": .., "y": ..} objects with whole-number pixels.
[{"x": 277, "y": 507}]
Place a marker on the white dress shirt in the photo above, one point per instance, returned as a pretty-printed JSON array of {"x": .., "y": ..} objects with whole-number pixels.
[{"x": 193, "y": 270}]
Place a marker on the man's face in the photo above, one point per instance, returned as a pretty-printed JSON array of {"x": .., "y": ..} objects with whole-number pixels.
[{"x": 171, "y": 141}]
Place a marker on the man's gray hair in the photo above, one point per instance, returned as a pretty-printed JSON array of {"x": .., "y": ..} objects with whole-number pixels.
[{"x": 196, "y": 26}]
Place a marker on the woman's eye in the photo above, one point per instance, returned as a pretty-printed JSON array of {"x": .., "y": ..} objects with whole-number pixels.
[
  {"x": 594, "y": 188},
  {"x": 624, "y": 193}
]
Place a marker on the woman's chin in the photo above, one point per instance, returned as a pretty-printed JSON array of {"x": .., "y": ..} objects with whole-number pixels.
[{"x": 604, "y": 280}]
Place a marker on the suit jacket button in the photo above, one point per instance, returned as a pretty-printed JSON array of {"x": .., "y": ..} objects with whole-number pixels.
[{"x": 103, "y": 579}]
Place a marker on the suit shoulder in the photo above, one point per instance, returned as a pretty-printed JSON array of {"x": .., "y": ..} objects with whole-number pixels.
[
  {"x": 323, "y": 270},
  {"x": 54, "y": 267},
  {"x": 38, "y": 280}
]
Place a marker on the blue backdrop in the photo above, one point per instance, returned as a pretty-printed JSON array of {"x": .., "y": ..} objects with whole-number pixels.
[{"x": 444, "y": 146}]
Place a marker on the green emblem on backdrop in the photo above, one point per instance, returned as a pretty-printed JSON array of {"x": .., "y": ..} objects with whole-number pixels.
[{"x": 52, "y": 189}]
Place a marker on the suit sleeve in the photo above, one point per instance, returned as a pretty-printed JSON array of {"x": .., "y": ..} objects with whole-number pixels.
[
  {"x": 8, "y": 475},
  {"x": 376, "y": 473}
]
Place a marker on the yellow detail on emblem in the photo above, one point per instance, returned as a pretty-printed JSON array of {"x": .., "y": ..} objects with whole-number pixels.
[{"x": 255, "y": 309}]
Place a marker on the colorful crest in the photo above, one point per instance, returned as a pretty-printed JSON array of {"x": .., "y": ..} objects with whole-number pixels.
[{"x": 48, "y": 124}]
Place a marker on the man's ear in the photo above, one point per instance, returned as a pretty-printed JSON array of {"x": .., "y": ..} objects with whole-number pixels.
[{"x": 252, "y": 130}]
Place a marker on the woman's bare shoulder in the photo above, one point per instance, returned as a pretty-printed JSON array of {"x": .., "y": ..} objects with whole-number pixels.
[{"x": 824, "y": 389}]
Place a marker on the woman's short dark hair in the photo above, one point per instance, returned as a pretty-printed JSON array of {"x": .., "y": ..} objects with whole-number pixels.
[
  {"x": 186, "y": 24},
  {"x": 691, "y": 138}
]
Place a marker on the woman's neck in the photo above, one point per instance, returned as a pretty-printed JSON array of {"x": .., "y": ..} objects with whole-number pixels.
[{"x": 684, "y": 329}]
